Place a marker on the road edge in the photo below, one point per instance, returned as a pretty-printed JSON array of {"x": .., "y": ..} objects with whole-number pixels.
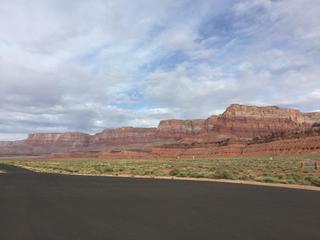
[{"x": 228, "y": 181}]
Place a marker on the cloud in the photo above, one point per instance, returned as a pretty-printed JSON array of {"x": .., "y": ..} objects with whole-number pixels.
[{"x": 86, "y": 65}]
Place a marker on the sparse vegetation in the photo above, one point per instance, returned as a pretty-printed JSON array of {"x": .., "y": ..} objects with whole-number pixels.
[{"x": 262, "y": 169}]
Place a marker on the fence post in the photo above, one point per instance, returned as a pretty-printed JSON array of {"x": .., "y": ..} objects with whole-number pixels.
[{"x": 302, "y": 164}]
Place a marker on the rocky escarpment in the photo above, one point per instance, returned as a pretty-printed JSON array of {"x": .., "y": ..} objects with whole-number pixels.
[
  {"x": 312, "y": 118},
  {"x": 178, "y": 129},
  {"x": 41, "y": 143},
  {"x": 303, "y": 141},
  {"x": 296, "y": 146},
  {"x": 251, "y": 121},
  {"x": 293, "y": 146},
  {"x": 12, "y": 148},
  {"x": 124, "y": 136},
  {"x": 290, "y": 134},
  {"x": 70, "y": 139},
  {"x": 237, "y": 124}
]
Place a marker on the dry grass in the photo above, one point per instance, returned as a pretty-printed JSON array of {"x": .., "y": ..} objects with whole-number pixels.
[{"x": 284, "y": 169}]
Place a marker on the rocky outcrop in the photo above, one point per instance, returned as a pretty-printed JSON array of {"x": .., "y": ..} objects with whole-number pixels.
[
  {"x": 263, "y": 113},
  {"x": 71, "y": 139},
  {"x": 178, "y": 129},
  {"x": 124, "y": 136},
  {"x": 125, "y": 154},
  {"x": 15, "y": 148},
  {"x": 250, "y": 121},
  {"x": 294, "y": 146},
  {"x": 291, "y": 142},
  {"x": 312, "y": 118},
  {"x": 212, "y": 136},
  {"x": 238, "y": 121},
  {"x": 290, "y": 134}
]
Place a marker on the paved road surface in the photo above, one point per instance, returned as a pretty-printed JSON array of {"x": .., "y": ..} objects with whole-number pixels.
[{"x": 42, "y": 206}]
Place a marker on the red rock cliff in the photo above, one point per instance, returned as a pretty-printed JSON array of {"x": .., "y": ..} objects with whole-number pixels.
[
  {"x": 124, "y": 136},
  {"x": 73, "y": 139},
  {"x": 236, "y": 123},
  {"x": 251, "y": 121},
  {"x": 178, "y": 129}
]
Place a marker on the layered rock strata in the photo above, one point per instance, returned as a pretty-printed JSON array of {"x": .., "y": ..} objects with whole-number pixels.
[{"x": 237, "y": 124}]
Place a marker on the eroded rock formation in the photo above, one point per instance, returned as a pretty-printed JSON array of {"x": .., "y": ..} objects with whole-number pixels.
[
  {"x": 178, "y": 129},
  {"x": 124, "y": 136},
  {"x": 251, "y": 121},
  {"x": 71, "y": 139},
  {"x": 239, "y": 130}
]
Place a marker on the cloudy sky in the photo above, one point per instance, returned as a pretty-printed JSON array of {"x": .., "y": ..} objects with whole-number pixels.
[{"x": 83, "y": 65}]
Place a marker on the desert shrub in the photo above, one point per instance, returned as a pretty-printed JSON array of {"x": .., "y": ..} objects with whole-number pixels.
[
  {"x": 174, "y": 172},
  {"x": 313, "y": 180},
  {"x": 222, "y": 175},
  {"x": 148, "y": 172},
  {"x": 294, "y": 178},
  {"x": 244, "y": 177},
  {"x": 267, "y": 179},
  {"x": 103, "y": 168},
  {"x": 182, "y": 174},
  {"x": 195, "y": 174}
]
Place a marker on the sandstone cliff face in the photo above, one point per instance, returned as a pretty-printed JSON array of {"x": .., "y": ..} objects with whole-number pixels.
[
  {"x": 291, "y": 142},
  {"x": 236, "y": 124},
  {"x": 7, "y": 143},
  {"x": 238, "y": 121},
  {"x": 290, "y": 134},
  {"x": 305, "y": 145},
  {"x": 211, "y": 122},
  {"x": 251, "y": 121},
  {"x": 295, "y": 146},
  {"x": 124, "y": 136},
  {"x": 178, "y": 129},
  {"x": 312, "y": 118},
  {"x": 12, "y": 148},
  {"x": 270, "y": 112},
  {"x": 72, "y": 139}
]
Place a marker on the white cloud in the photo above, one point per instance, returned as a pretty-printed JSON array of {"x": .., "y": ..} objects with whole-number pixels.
[
  {"x": 84, "y": 65},
  {"x": 244, "y": 7}
]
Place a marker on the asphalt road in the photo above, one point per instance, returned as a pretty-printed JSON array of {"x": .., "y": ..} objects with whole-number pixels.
[{"x": 43, "y": 206}]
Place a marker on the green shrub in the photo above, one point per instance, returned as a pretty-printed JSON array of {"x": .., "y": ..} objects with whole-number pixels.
[
  {"x": 103, "y": 169},
  {"x": 222, "y": 175},
  {"x": 195, "y": 175},
  {"x": 174, "y": 172},
  {"x": 267, "y": 179},
  {"x": 182, "y": 174},
  {"x": 294, "y": 178},
  {"x": 313, "y": 180}
]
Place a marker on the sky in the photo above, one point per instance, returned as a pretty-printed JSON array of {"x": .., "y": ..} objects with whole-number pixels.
[{"x": 87, "y": 65}]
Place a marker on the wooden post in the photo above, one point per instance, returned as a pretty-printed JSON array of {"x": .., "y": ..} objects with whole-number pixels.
[{"x": 302, "y": 164}]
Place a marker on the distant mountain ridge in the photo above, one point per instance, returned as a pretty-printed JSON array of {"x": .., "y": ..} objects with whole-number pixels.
[{"x": 238, "y": 123}]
